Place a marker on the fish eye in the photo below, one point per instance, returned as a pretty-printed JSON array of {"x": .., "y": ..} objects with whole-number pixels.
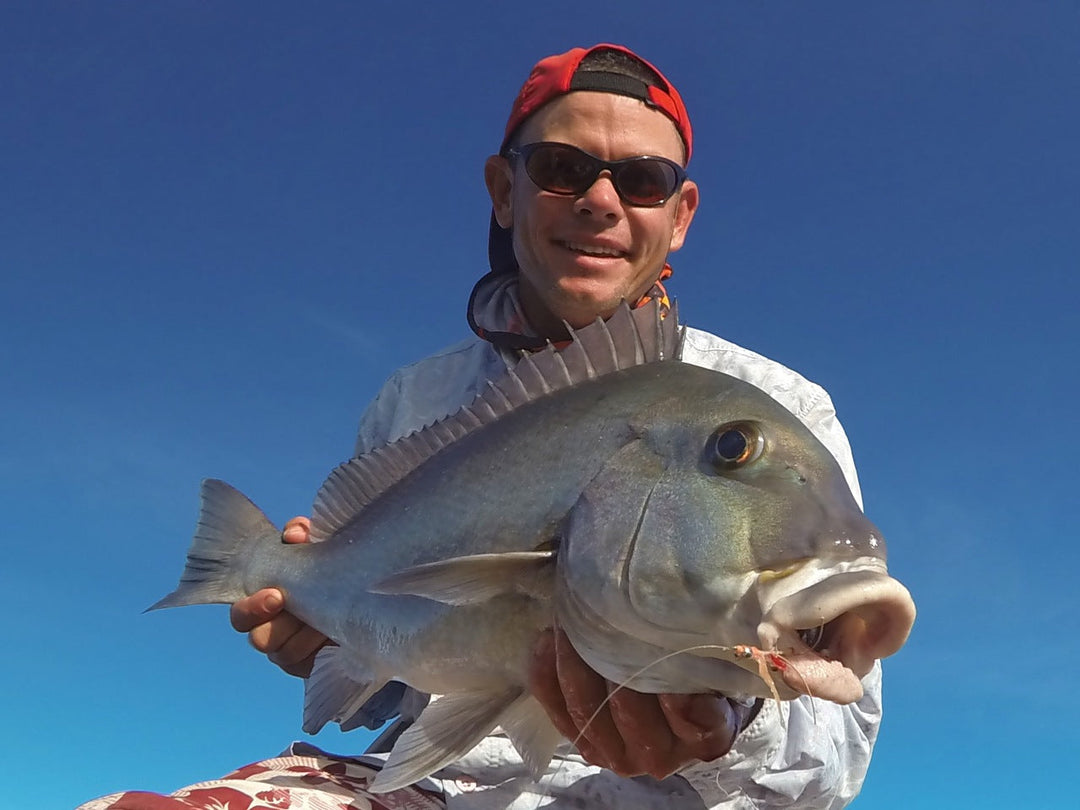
[{"x": 737, "y": 444}]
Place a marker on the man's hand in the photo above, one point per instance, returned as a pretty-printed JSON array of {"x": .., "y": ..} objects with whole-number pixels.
[
  {"x": 287, "y": 641},
  {"x": 634, "y": 733}
]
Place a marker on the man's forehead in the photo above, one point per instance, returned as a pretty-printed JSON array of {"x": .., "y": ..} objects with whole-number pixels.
[{"x": 596, "y": 119}]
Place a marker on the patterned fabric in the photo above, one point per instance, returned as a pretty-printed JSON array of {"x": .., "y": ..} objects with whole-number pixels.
[{"x": 302, "y": 778}]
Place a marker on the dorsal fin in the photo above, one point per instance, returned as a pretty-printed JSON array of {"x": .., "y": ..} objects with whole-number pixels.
[{"x": 630, "y": 337}]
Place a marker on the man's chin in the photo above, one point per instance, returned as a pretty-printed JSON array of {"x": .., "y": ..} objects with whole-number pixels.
[
  {"x": 579, "y": 310},
  {"x": 577, "y": 299}
]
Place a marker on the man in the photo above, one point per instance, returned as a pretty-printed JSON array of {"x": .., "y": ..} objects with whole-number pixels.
[{"x": 580, "y": 223}]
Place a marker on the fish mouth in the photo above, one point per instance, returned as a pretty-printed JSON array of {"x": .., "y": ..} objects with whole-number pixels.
[{"x": 829, "y": 635}]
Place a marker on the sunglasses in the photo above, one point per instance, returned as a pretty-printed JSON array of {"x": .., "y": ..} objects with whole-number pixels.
[{"x": 564, "y": 169}]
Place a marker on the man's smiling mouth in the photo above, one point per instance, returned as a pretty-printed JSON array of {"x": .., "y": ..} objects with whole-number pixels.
[{"x": 593, "y": 250}]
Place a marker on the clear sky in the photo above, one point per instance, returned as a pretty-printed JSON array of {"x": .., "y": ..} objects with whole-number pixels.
[{"x": 223, "y": 224}]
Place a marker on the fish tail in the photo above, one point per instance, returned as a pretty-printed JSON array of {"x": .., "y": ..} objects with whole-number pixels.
[{"x": 229, "y": 526}]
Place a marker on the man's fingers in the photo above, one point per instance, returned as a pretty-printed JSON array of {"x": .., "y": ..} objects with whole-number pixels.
[
  {"x": 544, "y": 684},
  {"x": 287, "y": 641},
  {"x": 649, "y": 743},
  {"x": 259, "y": 608},
  {"x": 297, "y": 530},
  {"x": 297, "y": 654},
  {"x": 585, "y": 693},
  {"x": 706, "y": 725},
  {"x": 631, "y": 733},
  {"x": 271, "y": 637}
]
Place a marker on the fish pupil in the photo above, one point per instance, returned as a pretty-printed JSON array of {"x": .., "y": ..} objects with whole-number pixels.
[{"x": 732, "y": 445}]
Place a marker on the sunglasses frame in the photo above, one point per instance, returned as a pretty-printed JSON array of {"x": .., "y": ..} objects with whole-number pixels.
[{"x": 526, "y": 151}]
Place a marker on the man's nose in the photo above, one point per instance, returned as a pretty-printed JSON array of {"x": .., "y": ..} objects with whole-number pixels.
[{"x": 600, "y": 199}]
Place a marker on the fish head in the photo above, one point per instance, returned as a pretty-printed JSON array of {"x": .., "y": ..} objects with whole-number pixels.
[{"x": 741, "y": 530}]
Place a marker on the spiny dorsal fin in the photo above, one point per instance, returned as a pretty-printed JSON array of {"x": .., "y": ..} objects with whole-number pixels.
[{"x": 630, "y": 337}]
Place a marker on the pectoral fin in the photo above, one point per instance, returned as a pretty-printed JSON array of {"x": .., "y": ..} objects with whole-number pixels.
[{"x": 473, "y": 579}]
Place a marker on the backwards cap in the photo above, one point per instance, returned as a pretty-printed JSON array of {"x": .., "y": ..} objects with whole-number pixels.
[{"x": 558, "y": 75}]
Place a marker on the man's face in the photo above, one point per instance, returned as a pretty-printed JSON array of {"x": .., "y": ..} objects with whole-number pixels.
[{"x": 580, "y": 256}]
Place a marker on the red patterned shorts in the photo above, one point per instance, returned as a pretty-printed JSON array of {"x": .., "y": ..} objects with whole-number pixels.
[{"x": 302, "y": 778}]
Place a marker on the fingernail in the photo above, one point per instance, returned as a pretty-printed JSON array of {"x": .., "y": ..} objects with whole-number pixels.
[{"x": 272, "y": 601}]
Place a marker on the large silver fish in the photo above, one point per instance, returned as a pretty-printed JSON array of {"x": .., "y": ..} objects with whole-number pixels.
[{"x": 644, "y": 504}]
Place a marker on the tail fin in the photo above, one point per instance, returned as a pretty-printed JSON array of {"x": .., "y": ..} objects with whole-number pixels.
[{"x": 229, "y": 524}]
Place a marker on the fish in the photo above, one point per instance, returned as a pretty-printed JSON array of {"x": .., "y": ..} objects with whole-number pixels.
[{"x": 686, "y": 531}]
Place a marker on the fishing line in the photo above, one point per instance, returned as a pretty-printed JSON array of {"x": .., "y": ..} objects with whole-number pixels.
[{"x": 623, "y": 685}]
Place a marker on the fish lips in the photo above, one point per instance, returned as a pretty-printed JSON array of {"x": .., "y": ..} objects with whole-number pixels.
[{"x": 864, "y": 615}]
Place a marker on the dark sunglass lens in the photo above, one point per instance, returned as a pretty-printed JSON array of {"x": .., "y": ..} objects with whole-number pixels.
[
  {"x": 646, "y": 182},
  {"x": 561, "y": 170}
]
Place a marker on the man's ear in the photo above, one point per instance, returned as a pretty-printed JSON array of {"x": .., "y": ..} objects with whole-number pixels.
[
  {"x": 499, "y": 178},
  {"x": 685, "y": 208}
]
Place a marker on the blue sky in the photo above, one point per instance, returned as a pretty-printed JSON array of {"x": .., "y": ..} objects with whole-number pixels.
[{"x": 223, "y": 224}]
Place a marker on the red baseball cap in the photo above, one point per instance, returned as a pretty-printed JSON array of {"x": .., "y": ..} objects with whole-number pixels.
[{"x": 558, "y": 75}]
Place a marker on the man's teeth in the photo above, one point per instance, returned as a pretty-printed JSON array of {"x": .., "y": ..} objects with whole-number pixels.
[{"x": 593, "y": 250}]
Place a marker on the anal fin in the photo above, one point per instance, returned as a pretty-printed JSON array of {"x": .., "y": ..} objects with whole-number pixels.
[{"x": 336, "y": 691}]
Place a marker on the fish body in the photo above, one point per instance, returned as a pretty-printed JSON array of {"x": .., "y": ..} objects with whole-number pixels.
[{"x": 646, "y": 505}]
